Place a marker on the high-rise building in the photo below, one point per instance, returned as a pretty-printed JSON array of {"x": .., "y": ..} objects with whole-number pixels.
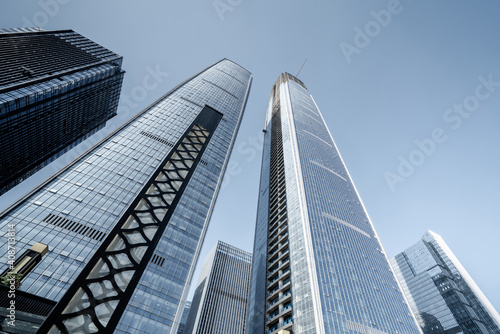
[
  {"x": 441, "y": 294},
  {"x": 57, "y": 88},
  {"x": 124, "y": 223},
  {"x": 220, "y": 300},
  {"x": 318, "y": 264},
  {"x": 184, "y": 317}
]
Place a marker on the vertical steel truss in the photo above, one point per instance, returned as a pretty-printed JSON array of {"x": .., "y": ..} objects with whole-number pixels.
[{"x": 95, "y": 301}]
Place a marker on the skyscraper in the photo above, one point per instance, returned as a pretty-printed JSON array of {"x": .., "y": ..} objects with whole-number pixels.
[
  {"x": 182, "y": 322},
  {"x": 220, "y": 300},
  {"x": 56, "y": 89},
  {"x": 318, "y": 265},
  {"x": 102, "y": 217},
  {"x": 442, "y": 295}
]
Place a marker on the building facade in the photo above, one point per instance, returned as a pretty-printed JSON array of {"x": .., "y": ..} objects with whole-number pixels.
[
  {"x": 318, "y": 265},
  {"x": 184, "y": 317},
  {"x": 152, "y": 181},
  {"x": 220, "y": 300},
  {"x": 57, "y": 88},
  {"x": 441, "y": 294}
]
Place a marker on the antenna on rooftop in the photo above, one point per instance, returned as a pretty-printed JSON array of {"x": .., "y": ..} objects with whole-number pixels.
[{"x": 301, "y": 68}]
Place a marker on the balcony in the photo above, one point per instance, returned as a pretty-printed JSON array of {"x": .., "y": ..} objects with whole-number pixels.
[
  {"x": 284, "y": 261},
  {"x": 273, "y": 260},
  {"x": 273, "y": 328},
  {"x": 279, "y": 256},
  {"x": 274, "y": 277},
  {"x": 274, "y": 314},
  {"x": 273, "y": 290},
  {"x": 276, "y": 289},
  {"x": 274, "y": 301},
  {"x": 281, "y": 224},
  {"x": 287, "y": 325},
  {"x": 272, "y": 270},
  {"x": 274, "y": 264},
  {"x": 276, "y": 221},
  {"x": 284, "y": 284},
  {"x": 273, "y": 249},
  {"x": 275, "y": 256},
  {"x": 284, "y": 311},
  {"x": 279, "y": 240}
]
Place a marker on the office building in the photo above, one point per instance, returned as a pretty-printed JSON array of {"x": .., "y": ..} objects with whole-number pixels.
[
  {"x": 220, "y": 300},
  {"x": 57, "y": 88},
  {"x": 318, "y": 264},
  {"x": 124, "y": 223},
  {"x": 441, "y": 294},
  {"x": 182, "y": 322}
]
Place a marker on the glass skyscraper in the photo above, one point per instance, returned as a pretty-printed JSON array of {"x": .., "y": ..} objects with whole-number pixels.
[
  {"x": 152, "y": 181},
  {"x": 182, "y": 322},
  {"x": 442, "y": 295},
  {"x": 318, "y": 265},
  {"x": 220, "y": 300},
  {"x": 56, "y": 89}
]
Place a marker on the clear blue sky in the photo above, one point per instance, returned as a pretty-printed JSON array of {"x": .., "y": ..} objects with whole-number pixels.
[{"x": 379, "y": 91}]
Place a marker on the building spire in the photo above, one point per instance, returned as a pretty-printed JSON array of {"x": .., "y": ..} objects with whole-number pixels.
[{"x": 301, "y": 68}]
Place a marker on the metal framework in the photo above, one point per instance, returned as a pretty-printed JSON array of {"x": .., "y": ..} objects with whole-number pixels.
[{"x": 96, "y": 300}]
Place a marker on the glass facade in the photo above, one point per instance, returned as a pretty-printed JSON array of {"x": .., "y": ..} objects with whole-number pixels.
[
  {"x": 56, "y": 89},
  {"x": 185, "y": 313},
  {"x": 75, "y": 210},
  {"x": 220, "y": 301},
  {"x": 318, "y": 265},
  {"x": 441, "y": 294}
]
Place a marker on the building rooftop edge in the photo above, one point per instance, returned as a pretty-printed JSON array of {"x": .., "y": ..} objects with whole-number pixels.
[
  {"x": 235, "y": 64},
  {"x": 285, "y": 76},
  {"x": 220, "y": 244}
]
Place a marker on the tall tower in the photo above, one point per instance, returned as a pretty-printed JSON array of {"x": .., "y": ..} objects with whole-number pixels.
[
  {"x": 318, "y": 265},
  {"x": 56, "y": 89},
  {"x": 442, "y": 295},
  {"x": 125, "y": 222},
  {"x": 220, "y": 301}
]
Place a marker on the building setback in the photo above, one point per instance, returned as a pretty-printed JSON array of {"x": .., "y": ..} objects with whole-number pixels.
[
  {"x": 220, "y": 300},
  {"x": 318, "y": 265},
  {"x": 441, "y": 294},
  {"x": 107, "y": 210},
  {"x": 57, "y": 88}
]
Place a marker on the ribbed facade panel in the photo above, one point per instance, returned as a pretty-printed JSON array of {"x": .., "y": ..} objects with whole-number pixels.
[{"x": 220, "y": 301}]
